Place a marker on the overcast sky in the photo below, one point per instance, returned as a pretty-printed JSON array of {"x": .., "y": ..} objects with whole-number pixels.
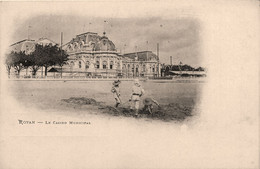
[{"x": 177, "y": 37}]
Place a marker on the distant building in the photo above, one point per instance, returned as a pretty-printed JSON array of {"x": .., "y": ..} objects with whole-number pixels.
[
  {"x": 25, "y": 45},
  {"x": 144, "y": 63},
  {"x": 94, "y": 55},
  {"x": 28, "y": 45}
]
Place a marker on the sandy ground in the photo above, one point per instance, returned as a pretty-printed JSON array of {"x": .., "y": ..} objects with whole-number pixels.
[
  {"x": 116, "y": 141},
  {"x": 52, "y": 95}
]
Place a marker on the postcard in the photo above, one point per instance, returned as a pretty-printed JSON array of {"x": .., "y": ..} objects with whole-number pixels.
[{"x": 129, "y": 84}]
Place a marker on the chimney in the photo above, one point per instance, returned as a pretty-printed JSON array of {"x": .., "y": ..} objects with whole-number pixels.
[
  {"x": 61, "y": 40},
  {"x": 158, "y": 50}
]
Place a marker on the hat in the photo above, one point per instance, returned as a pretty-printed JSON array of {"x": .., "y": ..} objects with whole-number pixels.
[
  {"x": 136, "y": 81},
  {"x": 147, "y": 101}
]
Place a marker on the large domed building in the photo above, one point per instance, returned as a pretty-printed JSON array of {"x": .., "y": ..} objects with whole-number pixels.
[{"x": 94, "y": 55}]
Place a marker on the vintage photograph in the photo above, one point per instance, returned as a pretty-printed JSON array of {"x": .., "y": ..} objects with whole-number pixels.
[
  {"x": 152, "y": 71},
  {"x": 117, "y": 84}
]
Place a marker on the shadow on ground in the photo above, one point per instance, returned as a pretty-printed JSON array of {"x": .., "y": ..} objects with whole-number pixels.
[{"x": 167, "y": 112}]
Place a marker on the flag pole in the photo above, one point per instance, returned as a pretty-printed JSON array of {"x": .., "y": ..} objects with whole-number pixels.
[{"x": 61, "y": 41}]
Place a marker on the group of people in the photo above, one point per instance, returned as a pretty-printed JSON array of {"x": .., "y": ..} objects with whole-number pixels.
[{"x": 136, "y": 94}]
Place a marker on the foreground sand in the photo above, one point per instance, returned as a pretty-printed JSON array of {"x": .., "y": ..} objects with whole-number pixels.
[
  {"x": 116, "y": 141},
  {"x": 177, "y": 100}
]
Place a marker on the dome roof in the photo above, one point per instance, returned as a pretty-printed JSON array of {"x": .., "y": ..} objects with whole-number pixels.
[
  {"x": 93, "y": 41},
  {"x": 104, "y": 44}
]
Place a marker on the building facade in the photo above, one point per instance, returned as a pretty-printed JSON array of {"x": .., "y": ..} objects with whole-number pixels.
[
  {"x": 94, "y": 55},
  {"x": 28, "y": 46},
  {"x": 141, "y": 64}
]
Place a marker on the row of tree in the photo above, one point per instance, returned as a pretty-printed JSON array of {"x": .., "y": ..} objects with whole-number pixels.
[
  {"x": 181, "y": 68},
  {"x": 167, "y": 68},
  {"x": 42, "y": 56}
]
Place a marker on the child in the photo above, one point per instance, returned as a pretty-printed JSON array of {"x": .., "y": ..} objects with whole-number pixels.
[
  {"x": 148, "y": 104},
  {"x": 137, "y": 92},
  {"x": 116, "y": 92}
]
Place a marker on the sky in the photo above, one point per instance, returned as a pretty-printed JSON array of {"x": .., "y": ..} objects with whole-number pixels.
[{"x": 177, "y": 37}]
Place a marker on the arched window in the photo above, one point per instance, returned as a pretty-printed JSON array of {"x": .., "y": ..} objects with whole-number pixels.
[
  {"x": 97, "y": 64},
  {"x": 143, "y": 67},
  {"x": 79, "y": 64},
  {"x": 104, "y": 64},
  {"x": 87, "y": 65},
  {"x": 137, "y": 68},
  {"x": 118, "y": 65},
  {"x": 111, "y": 64},
  {"x": 153, "y": 69}
]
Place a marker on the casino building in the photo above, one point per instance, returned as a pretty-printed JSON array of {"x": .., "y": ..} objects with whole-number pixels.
[{"x": 94, "y": 55}]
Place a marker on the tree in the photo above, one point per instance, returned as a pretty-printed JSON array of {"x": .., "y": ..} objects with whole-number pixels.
[
  {"x": 9, "y": 62},
  {"x": 48, "y": 55},
  {"x": 61, "y": 58},
  {"x": 200, "y": 69},
  {"x": 36, "y": 59},
  {"x": 43, "y": 56},
  {"x": 18, "y": 61}
]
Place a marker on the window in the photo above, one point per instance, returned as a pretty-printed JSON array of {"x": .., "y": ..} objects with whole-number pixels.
[
  {"x": 111, "y": 64},
  {"x": 79, "y": 64},
  {"x": 118, "y": 65},
  {"x": 97, "y": 64},
  {"x": 104, "y": 64},
  {"x": 87, "y": 65}
]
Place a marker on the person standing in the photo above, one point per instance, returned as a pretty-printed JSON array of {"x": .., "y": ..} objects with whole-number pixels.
[
  {"x": 137, "y": 92},
  {"x": 116, "y": 92}
]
